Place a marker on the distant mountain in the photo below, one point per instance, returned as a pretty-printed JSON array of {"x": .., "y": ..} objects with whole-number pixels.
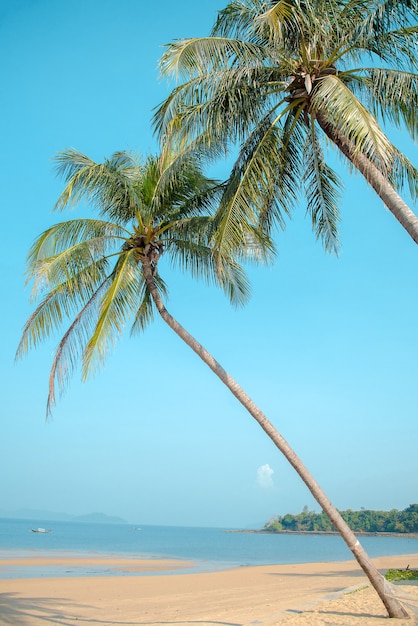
[
  {"x": 54, "y": 516},
  {"x": 99, "y": 518}
]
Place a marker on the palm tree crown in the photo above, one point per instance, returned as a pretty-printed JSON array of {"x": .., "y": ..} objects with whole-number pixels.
[
  {"x": 94, "y": 271},
  {"x": 276, "y": 77}
]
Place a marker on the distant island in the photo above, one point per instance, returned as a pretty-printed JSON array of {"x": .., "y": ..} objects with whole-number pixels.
[
  {"x": 363, "y": 521},
  {"x": 53, "y": 516}
]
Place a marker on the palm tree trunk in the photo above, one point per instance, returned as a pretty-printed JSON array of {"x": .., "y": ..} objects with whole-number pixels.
[
  {"x": 399, "y": 209},
  {"x": 393, "y": 607}
]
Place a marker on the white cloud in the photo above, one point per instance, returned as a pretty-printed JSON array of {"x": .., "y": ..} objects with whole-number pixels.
[{"x": 265, "y": 476}]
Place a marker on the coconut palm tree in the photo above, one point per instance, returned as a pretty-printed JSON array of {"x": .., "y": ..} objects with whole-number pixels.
[
  {"x": 104, "y": 270},
  {"x": 98, "y": 273},
  {"x": 280, "y": 81}
]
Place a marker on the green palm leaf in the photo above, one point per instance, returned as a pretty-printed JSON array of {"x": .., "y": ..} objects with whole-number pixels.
[
  {"x": 348, "y": 114},
  {"x": 392, "y": 96},
  {"x": 72, "y": 346},
  {"x": 248, "y": 192},
  {"x": 404, "y": 173},
  {"x": 237, "y": 18},
  {"x": 108, "y": 186},
  {"x": 146, "y": 310},
  {"x": 118, "y": 303},
  {"x": 207, "y": 54},
  {"x": 322, "y": 191},
  {"x": 61, "y": 302}
]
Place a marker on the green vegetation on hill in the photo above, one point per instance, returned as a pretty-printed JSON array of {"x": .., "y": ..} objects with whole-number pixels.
[{"x": 393, "y": 521}]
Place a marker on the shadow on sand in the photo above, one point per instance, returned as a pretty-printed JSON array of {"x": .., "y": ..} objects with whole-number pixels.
[{"x": 16, "y": 610}]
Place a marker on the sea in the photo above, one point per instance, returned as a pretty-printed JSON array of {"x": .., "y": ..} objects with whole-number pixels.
[{"x": 210, "y": 549}]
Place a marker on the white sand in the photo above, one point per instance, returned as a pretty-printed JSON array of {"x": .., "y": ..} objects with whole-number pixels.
[{"x": 309, "y": 594}]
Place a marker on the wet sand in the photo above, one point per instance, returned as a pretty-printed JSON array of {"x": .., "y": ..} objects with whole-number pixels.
[{"x": 150, "y": 594}]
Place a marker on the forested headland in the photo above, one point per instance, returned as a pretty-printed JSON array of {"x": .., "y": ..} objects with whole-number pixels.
[{"x": 364, "y": 521}]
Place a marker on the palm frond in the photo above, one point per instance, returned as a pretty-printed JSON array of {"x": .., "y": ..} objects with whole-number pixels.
[
  {"x": 192, "y": 251},
  {"x": 72, "y": 345},
  {"x": 118, "y": 303},
  {"x": 332, "y": 98},
  {"x": 288, "y": 170},
  {"x": 290, "y": 22},
  {"x": 238, "y": 18},
  {"x": 146, "y": 310},
  {"x": 279, "y": 14},
  {"x": 233, "y": 280},
  {"x": 100, "y": 235},
  {"x": 404, "y": 174},
  {"x": 258, "y": 248},
  {"x": 59, "y": 303},
  {"x": 194, "y": 257},
  {"x": 181, "y": 189},
  {"x": 199, "y": 56},
  {"x": 322, "y": 189},
  {"x": 177, "y": 123},
  {"x": 392, "y": 96},
  {"x": 70, "y": 162},
  {"x": 72, "y": 255},
  {"x": 210, "y": 115},
  {"x": 108, "y": 186},
  {"x": 397, "y": 47},
  {"x": 257, "y": 189},
  {"x": 389, "y": 15}
]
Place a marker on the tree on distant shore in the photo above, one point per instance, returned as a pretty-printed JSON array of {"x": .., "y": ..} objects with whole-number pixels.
[
  {"x": 99, "y": 273},
  {"x": 392, "y": 521}
]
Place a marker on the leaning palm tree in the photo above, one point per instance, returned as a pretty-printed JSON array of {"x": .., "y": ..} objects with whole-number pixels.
[
  {"x": 99, "y": 273},
  {"x": 280, "y": 80}
]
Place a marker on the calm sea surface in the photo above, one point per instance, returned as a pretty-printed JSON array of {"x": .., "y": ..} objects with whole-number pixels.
[{"x": 211, "y": 548}]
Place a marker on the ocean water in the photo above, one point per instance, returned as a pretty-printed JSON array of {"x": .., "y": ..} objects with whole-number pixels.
[{"x": 210, "y": 548}]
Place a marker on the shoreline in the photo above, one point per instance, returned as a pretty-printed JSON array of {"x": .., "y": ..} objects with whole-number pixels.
[
  {"x": 50, "y": 562},
  {"x": 307, "y": 594},
  {"x": 360, "y": 533}
]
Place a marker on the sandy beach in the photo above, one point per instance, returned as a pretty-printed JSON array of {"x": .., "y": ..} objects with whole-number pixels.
[{"x": 311, "y": 594}]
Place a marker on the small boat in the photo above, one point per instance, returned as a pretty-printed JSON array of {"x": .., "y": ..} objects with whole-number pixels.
[{"x": 40, "y": 530}]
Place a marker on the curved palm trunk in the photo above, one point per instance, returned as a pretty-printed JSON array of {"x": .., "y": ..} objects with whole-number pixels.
[
  {"x": 392, "y": 605},
  {"x": 399, "y": 209}
]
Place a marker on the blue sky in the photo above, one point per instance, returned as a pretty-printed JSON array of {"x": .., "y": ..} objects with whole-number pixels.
[{"x": 327, "y": 346}]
